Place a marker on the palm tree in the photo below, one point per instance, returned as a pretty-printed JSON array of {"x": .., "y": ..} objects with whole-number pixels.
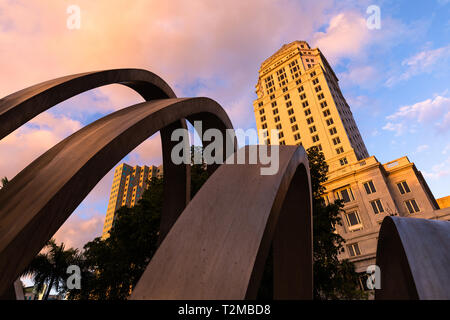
[
  {"x": 4, "y": 181},
  {"x": 50, "y": 268}
]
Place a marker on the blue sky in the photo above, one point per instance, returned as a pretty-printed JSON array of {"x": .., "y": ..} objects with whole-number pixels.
[{"x": 395, "y": 79}]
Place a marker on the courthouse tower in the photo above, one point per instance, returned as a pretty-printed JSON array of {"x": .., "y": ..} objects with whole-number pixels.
[
  {"x": 298, "y": 94},
  {"x": 128, "y": 185}
]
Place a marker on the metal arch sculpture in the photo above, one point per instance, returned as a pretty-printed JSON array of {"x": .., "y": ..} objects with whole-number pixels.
[
  {"x": 414, "y": 258},
  {"x": 40, "y": 198},
  {"x": 218, "y": 247}
]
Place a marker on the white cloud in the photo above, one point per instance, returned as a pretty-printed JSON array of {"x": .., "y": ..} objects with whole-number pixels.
[
  {"x": 422, "y": 148},
  {"x": 347, "y": 35},
  {"x": 422, "y": 62},
  {"x": 434, "y": 112},
  {"x": 439, "y": 170}
]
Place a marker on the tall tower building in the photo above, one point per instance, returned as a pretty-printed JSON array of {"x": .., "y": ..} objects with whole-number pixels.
[
  {"x": 298, "y": 94},
  {"x": 128, "y": 185}
]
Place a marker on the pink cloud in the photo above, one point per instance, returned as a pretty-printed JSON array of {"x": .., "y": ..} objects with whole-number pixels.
[
  {"x": 30, "y": 141},
  {"x": 79, "y": 230}
]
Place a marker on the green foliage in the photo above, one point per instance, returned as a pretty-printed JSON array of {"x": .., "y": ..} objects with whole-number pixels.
[
  {"x": 112, "y": 267},
  {"x": 333, "y": 279},
  {"x": 50, "y": 267}
]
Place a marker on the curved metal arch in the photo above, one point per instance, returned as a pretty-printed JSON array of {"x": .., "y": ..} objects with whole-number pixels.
[
  {"x": 40, "y": 198},
  {"x": 414, "y": 257},
  {"x": 18, "y": 108},
  {"x": 218, "y": 247}
]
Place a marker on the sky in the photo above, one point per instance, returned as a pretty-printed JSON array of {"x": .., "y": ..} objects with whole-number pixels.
[{"x": 395, "y": 78}]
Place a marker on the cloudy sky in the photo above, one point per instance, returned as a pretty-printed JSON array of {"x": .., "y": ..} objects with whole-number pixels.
[{"x": 395, "y": 79}]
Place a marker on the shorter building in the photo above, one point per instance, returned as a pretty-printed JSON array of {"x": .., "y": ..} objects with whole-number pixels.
[
  {"x": 444, "y": 202},
  {"x": 371, "y": 191},
  {"x": 128, "y": 185}
]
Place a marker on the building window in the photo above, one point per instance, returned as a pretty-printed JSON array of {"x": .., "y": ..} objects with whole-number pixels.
[
  {"x": 326, "y": 113},
  {"x": 272, "y": 97},
  {"x": 353, "y": 221},
  {"x": 302, "y": 96},
  {"x": 345, "y": 194},
  {"x": 290, "y": 111},
  {"x": 312, "y": 129},
  {"x": 333, "y": 131},
  {"x": 318, "y": 88},
  {"x": 264, "y": 126},
  {"x": 288, "y": 104},
  {"x": 282, "y": 143},
  {"x": 320, "y": 96},
  {"x": 336, "y": 140},
  {"x": 298, "y": 82},
  {"x": 297, "y": 136},
  {"x": 323, "y": 104},
  {"x": 315, "y": 81},
  {"x": 315, "y": 138},
  {"x": 412, "y": 206},
  {"x": 285, "y": 88},
  {"x": 286, "y": 97},
  {"x": 377, "y": 206},
  {"x": 276, "y": 119},
  {"x": 274, "y": 104},
  {"x": 305, "y": 104},
  {"x": 310, "y": 120},
  {"x": 292, "y": 120},
  {"x": 403, "y": 187},
  {"x": 307, "y": 112},
  {"x": 330, "y": 122},
  {"x": 300, "y": 89},
  {"x": 261, "y": 111},
  {"x": 278, "y": 126},
  {"x": 280, "y": 135},
  {"x": 263, "y": 118},
  {"x": 340, "y": 150},
  {"x": 294, "y": 128},
  {"x": 260, "y": 104},
  {"x": 343, "y": 161},
  {"x": 275, "y": 111},
  {"x": 370, "y": 188},
  {"x": 319, "y": 146},
  {"x": 353, "y": 250}
]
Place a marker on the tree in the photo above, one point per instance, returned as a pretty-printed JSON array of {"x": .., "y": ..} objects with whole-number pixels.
[
  {"x": 333, "y": 278},
  {"x": 4, "y": 182},
  {"x": 50, "y": 268},
  {"x": 112, "y": 267}
]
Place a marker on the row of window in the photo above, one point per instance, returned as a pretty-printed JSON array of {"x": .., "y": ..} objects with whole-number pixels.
[
  {"x": 346, "y": 194},
  {"x": 354, "y": 221}
]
